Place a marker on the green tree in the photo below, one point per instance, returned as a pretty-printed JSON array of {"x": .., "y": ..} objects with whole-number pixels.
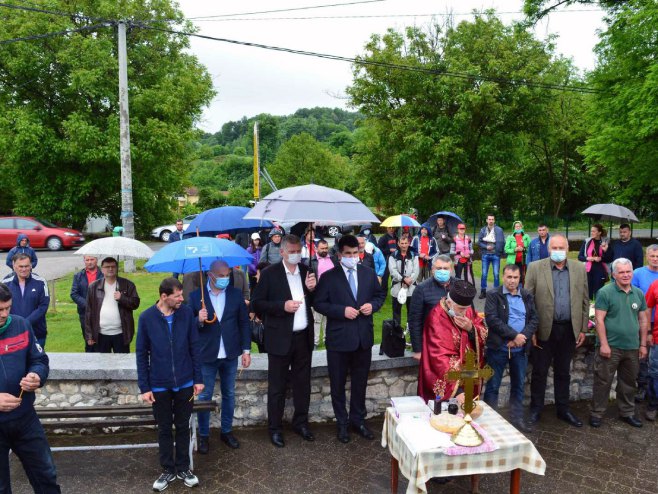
[
  {"x": 59, "y": 128},
  {"x": 302, "y": 160},
  {"x": 432, "y": 141},
  {"x": 623, "y": 142}
]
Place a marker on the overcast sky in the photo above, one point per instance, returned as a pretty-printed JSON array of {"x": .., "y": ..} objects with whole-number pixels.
[{"x": 250, "y": 80}]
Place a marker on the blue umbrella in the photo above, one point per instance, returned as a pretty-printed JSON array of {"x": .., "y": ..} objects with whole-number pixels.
[
  {"x": 223, "y": 220},
  {"x": 196, "y": 254},
  {"x": 452, "y": 220}
]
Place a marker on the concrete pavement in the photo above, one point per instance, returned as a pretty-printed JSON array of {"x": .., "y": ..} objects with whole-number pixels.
[{"x": 615, "y": 459}]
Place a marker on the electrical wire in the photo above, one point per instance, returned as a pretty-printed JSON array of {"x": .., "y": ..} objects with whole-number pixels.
[
  {"x": 53, "y": 34},
  {"x": 309, "y": 7},
  {"x": 52, "y": 12},
  {"x": 383, "y": 16},
  {"x": 359, "y": 61}
]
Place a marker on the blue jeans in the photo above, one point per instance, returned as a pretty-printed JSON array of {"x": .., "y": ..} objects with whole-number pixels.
[
  {"x": 487, "y": 260},
  {"x": 498, "y": 360},
  {"x": 226, "y": 369},
  {"x": 653, "y": 378},
  {"x": 25, "y": 437}
]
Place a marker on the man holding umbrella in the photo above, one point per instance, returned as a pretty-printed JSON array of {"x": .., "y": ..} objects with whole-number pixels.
[
  {"x": 225, "y": 335},
  {"x": 442, "y": 235}
]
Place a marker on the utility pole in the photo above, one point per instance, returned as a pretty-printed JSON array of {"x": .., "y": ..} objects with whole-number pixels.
[
  {"x": 127, "y": 215},
  {"x": 256, "y": 165}
]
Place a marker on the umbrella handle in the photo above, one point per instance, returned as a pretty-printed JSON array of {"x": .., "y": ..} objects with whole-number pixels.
[
  {"x": 203, "y": 298},
  {"x": 203, "y": 306}
]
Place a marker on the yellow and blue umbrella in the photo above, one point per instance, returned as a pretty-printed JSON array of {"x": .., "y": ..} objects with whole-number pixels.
[{"x": 400, "y": 220}]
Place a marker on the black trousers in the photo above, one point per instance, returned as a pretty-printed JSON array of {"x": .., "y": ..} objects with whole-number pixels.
[
  {"x": 111, "y": 344},
  {"x": 385, "y": 278},
  {"x": 297, "y": 365},
  {"x": 397, "y": 309},
  {"x": 174, "y": 408},
  {"x": 558, "y": 350},
  {"x": 88, "y": 348},
  {"x": 357, "y": 363}
]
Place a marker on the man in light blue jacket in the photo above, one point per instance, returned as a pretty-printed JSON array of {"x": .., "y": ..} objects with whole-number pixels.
[{"x": 538, "y": 248}]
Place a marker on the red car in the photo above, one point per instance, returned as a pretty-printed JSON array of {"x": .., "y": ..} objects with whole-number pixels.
[{"x": 41, "y": 233}]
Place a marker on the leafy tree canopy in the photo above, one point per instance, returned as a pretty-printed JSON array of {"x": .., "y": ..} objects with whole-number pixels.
[{"x": 59, "y": 128}]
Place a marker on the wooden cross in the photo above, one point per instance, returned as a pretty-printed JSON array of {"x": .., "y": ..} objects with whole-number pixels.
[{"x": 468, "y": 375}]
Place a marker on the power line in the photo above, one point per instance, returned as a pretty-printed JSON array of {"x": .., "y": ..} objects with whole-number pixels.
[
  {"x": 458, "y": 75},
  {"x": 51, "y": 12},
  {"x": 382, "y": 16},
  {"x": 309, "y": 7},
  {"x": 53, "y": 34}
]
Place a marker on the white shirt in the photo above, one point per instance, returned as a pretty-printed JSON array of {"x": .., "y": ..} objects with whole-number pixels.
[
  {"x": 297, "y": 290},
  {"x": 218, "y": 301},
  {"x": 347, "y": 275},
  {"x": 110, "y": 319}
]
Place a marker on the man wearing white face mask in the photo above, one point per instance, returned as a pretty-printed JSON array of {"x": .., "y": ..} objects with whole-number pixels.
[
  {"x": 426, "y": 296},
  {"x": 282, "y": 299},
  {"x": 348, "y": 295},
  {"x": 562, "y": 300}
]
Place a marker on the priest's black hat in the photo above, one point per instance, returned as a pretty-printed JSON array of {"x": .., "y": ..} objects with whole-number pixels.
[{"x": 462, "y": 293}]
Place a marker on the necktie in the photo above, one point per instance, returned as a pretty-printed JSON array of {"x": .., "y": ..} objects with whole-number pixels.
[{"x": 350, "y": 279}]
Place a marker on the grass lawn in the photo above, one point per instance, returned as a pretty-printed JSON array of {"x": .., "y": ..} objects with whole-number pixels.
[{"x": 65, "y": 335}]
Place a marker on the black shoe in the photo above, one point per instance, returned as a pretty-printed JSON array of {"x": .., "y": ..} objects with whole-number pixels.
[
  {"x": 641, "y": 395},
  {"x": 534, "y": 417},
  {"x": 632, "y": 421},
  {"x": 522, "y": 426},
  {"x": 595, "y": 422},
  {"x": 570, "y": 419},
  {"x": 230, "y": 440},
  {"x": 203, "y": 446},
  {"x": 483, "y": 294},
  {"x": 277, "y": 439},
  {"x": 363, "y": 431},
  {"x": 342, "y": 435},
  {"x": 305, "y": 432}
]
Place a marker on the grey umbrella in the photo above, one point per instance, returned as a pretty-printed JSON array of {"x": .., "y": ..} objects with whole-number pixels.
[
  {"x": 312, "y": 204},
  {"x": 611, "y": 212}
]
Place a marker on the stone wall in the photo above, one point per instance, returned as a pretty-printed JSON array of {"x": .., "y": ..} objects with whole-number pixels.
[{"x": 79, "y": 379}]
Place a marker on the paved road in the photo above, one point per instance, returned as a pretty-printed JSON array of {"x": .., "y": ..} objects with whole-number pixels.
[
  {"x": 53, "y": 265},
  {"x": 615, "y": 459}
]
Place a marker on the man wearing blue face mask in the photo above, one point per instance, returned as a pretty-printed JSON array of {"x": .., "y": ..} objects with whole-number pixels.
[
  {"x": 426, "y": 296},
  {"x": 562, "y": 300},
  {"x": 224, "y": 336}
]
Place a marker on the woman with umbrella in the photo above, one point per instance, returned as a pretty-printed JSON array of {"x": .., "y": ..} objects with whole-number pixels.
[{"x": 595, "y": 253}]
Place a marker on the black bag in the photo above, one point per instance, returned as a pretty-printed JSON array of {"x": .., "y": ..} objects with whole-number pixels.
[
  {"x": 393, "y": 341},
  {"x": 258, "y": 334}
]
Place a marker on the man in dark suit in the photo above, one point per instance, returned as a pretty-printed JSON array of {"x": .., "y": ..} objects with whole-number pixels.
[
  {"x": 282, "y": 299},
  {"x": 349, "y": 295},
  {"x": 175, "y": 236},
  {"x": 81, "y": 281},
  {"x": 224, "y": 335}
]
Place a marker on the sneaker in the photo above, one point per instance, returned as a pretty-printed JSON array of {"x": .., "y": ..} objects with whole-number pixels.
[
  {"x": 163, "y": 481},
  {"x": 650, "y": 415},
  {"x": 483, "y": 294},
  {"x": 188, "y": 478}
]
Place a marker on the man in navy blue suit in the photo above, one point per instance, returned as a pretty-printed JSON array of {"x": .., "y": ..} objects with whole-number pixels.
[
  {"x": 224, "y": 335},
  {"x": 348, "y": 295}
]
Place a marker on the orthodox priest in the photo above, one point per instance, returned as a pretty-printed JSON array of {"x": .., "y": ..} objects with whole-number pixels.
[{"x": 451, "y": 328}]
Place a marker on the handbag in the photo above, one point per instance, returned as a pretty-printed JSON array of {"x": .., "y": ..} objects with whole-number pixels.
[
  {"x": 393, "y": 340},
  {"x": 257, "y": 333}
]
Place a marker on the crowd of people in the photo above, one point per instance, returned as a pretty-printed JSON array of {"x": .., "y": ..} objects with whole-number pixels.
[{"x": 300, "y": 289}]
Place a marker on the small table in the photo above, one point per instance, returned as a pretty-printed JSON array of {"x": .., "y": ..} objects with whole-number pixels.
[{"x": 515, "y": 452}]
